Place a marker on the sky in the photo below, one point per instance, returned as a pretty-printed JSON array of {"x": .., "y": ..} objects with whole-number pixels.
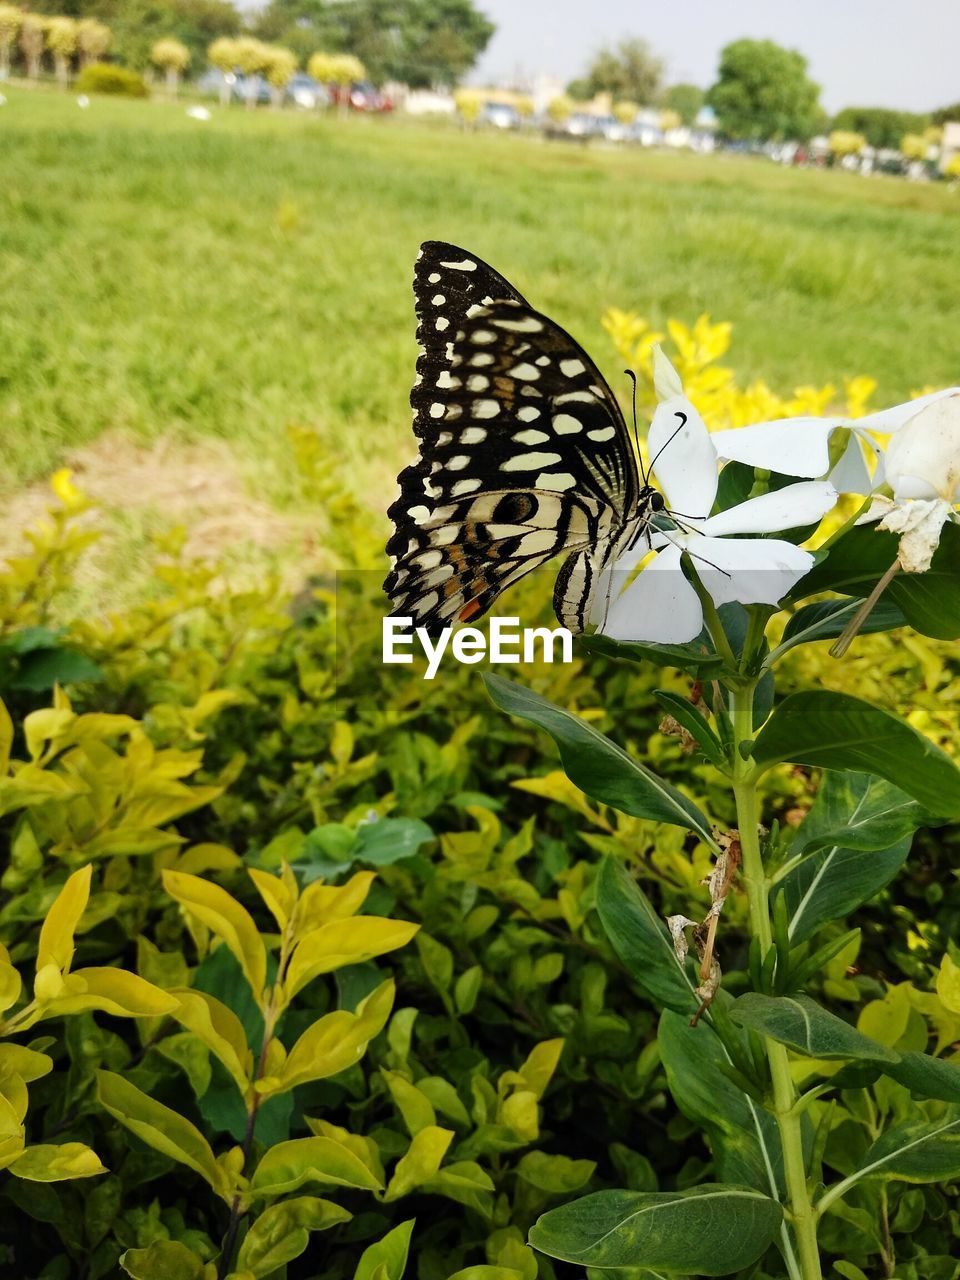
[{"x": 862, "y": 52}]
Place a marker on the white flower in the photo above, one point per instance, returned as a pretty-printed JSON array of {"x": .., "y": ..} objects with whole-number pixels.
[
  {"x": 659, "y": 604},
  {"x": 922, "y": 468},
  {"x": 801, "y": 446}
]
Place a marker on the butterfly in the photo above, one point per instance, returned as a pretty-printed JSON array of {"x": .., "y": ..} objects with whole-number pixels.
[{"x": 524, "y": 455}]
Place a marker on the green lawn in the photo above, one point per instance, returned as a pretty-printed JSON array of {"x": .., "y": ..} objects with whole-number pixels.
[{"x": 160, "y": 274}]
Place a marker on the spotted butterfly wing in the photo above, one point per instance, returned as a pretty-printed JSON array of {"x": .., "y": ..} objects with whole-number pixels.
[{"x": 524, "y": 454}]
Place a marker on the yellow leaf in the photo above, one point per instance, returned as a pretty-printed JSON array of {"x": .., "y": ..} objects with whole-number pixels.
[
  {"x": 342, "y": 942},
  {"x": 282, "y": 1232},
  {"x": 333, "y": 1043},
  {"x": 11, "y": 1132},
  {"x": 115, "y": 991},
  {"x": 320, "y": 903},
  {"x": 166, "y": 1260},
  {"x": 276, "y": 894},
  {"x": 519, "y": 1113},
  {"x": 48, "y": 1162},
  {"x": 45, "y": 725},
  {"x": 537, "y": 1070},
  {"x": 948, "y": 984},
  {"x": 424, "y": 1157},
  {"x": 10, "y": 981},
  {"x": 225, "y": 917},
  {"x": 364, "y": 1148},
  {"x": 220, "y": 1030},
  {"x": 56, "y": 934},
  {"x": 17, "y": 1059},
  {"x": 341, "y": 744},
  {"x": 207, "y": 857},
  {"x": 288, "y": 1165},
  {"x": 163, "y": 1129},
  {"x": 415, "y": 1107},
  {"x": 6, "y": 738}
]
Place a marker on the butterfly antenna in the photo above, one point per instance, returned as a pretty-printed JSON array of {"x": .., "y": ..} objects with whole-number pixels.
[
  {"x": 636, "y": 434},
  {"x": 683, "y": 423}
]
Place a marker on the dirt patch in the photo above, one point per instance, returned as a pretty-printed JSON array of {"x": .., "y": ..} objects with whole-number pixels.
[{"x": 142, "y": 490}]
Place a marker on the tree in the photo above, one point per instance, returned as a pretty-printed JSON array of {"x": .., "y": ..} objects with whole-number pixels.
[
  {"x": 560, "y": 108},
  {"x": 62, "y": 41},
  {"x": 843, "y": 142},
  {"x": 420, "y": 42},
  {"x": 763, "y": 92},
  {"x": 137, "y": 25},
  {"x": 339, "y": 69},
  {"x": 468, "y": 103},
  {"x": 946, "y": 115},
  {"x": 685, "y": 99},
  {"x": 881, "y": 126},
  {"x": 93, "y": 40},
  {"x": 252, "y": 58},
  {"x": 628, "y": 70},
  {"x": 281, "y": 65},
  {"x": 10, "y": 19},
  {"x": 223, "y": 55},
  {"x": 33, "y": 39},
  {"x": 626, "y": 112},
  {"x": 914, "y": 146},
  {"x": 173, "y": 58}
]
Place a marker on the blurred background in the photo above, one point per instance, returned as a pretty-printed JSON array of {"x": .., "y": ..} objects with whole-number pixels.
[{"x": 211, "y": 211}]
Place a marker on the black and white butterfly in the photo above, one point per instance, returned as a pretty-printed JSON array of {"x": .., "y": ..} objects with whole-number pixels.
[{"x": 524, "y": 455}]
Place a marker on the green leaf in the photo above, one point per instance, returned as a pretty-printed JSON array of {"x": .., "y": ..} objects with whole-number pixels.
[
  {"x": 598, "y": 766},
  {"x": 926, "y": 1077},
  {"x": 834, "y": 882},
  {"x": 41, "y": 669},
  {"x": 290, "y": 1164},
  {"x": 641, "y": 940},
  {"x": 390, "y": 1253},
  {"x": 805, "y": 1026},
  {"x": 686, "y": 714},
  {"x": 835, "y": 731},
  {"x": 917, "y": 1151},
  {"x": 389, "y": 840},
  {"x": 282, "y": 1232},
  {"x": 163, "y": 1260},
  {"x": 929, "y": 601},
  {"x": 826, "y": 619},
  {"x": 698, "y": 658},
  {"x": 858, "y": 811},
  {"x": 710, "y": 1230},
  {"x": 743, "y": 1136}
]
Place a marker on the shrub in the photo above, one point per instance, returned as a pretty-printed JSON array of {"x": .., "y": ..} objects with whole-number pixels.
[{"x": 101, "y": 77}]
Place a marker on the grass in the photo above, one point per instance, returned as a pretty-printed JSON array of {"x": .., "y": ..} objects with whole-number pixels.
[{"x": 161, "y": 275}]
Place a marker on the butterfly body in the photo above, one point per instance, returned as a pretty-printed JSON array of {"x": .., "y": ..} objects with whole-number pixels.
[{"x": 524, "y": 455}]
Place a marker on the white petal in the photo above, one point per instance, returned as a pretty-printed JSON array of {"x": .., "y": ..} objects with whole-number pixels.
[
  {"x": 666, "y": 380},
  {"x": 851, "y": 474},
  {"x": 923, "y": 459},
  {"x": 788, "y": 508},
  {"x": 659, "y": 605},
  {"x": 887, "y": 420},
  {"x": 751, "y": 570},
  {"x": 686, "y": 461},
  {"x": 792, "y": 446}
]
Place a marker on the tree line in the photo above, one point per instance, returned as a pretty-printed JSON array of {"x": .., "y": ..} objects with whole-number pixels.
[
  {"x": 762, "y": 92},
  {"x": 421, "y": 42}
]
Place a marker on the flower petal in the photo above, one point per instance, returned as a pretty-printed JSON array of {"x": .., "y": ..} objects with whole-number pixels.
[
  {"x": 789, "y": 508},
  {"x": 791, "y": 446},
  {"x": 686, "y": 461},
  {"x": 851, "y": 474},
  {"x": 887, "y": 420},
  {"x": 751, "y": 570},
  {"x": 666, "y": 380},
  {"x": 658, "y": 606},
  {"x": 923, "y": 459}
]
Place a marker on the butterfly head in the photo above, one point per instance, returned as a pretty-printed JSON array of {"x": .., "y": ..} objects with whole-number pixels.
[{"x": 650, "y": 499}]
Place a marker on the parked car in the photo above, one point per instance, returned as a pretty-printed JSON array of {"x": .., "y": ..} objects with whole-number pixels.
[
  {"x": 500, "y": 115},
  {"x": 367, "y": 97},
  {"x": 303, "y": 91}
]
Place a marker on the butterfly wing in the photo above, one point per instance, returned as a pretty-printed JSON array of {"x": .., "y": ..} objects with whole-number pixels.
[{"x": 524, "y": 453}]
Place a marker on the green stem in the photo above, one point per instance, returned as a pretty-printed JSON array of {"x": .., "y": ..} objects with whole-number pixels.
[
  {"x": 801, "y": 1211},
  {"x": 712, "y": 619}
]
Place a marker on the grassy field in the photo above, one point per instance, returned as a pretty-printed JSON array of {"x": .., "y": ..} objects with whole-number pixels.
[{"x": 163, "y": 276}]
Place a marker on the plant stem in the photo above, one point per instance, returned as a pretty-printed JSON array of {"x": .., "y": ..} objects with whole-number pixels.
[{"x": 802, "y": 1214}]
